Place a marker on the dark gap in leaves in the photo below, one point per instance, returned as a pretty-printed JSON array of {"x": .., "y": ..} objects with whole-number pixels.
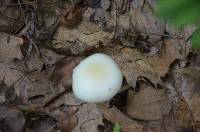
[
  {"x": 36, "y": 99},
  {"x": 193, "y": 59},
  {"x": 189, "y": 129},
  {"x": 190, "y": 57},
  {"x": 94, "y": 3},
  {"x": 3, "y": 86},
  {"x": 165, "y": 78},
  {"x": 165, "y": 36},
  {"x": 107, "y": 127},
  {"x": 169, "y": 77},
  {"x": 120, "y": 100},
  {"x": 11, "y": 119},
  {"x": 40, "y": 122},
  {"x": 159, "y": 86},
  {"x": 144, "y": 79},
  {"x": 43, "y": 67}
]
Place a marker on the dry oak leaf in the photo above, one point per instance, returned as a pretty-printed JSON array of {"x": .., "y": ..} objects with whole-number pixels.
[
  {"x": 89, "y": 117},
  {"x": 182, "y": 113},
  {"x": 135, "y": 64},
  {"x": 63, "y": 70},
  {"x": 10, "y": 47},
  {"x": 189, "y": 87},
  {"x": 115, "y": 115},
  {"x": 11, "y": 119},
  {"x": 148, "y": 104},
  {"x": 68, "y": 124},
  {"x": 86, "y": 36}
]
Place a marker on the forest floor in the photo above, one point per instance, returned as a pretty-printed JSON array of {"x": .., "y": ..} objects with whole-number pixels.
[{"x": 41, "y": 41}]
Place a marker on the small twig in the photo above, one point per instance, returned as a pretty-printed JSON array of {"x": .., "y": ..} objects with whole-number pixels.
[
  {"x": 116, "y": 19},
  {"x": 26, "y": 3},
  {"x": 53, "y": 99}
]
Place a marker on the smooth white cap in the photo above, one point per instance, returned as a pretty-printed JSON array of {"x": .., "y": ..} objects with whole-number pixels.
[{"x": 96, "y": 79}]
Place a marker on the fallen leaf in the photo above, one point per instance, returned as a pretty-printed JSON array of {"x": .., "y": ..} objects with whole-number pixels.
[
  {"x": 9, "y": 47},
  {"x": 63, "y": 70},
  {"x": 40, "y": 122},
  {"x": 148, "y": 103},
  {"x": 77, "y": 41},
  {"x": 11, "y": 119},
  {"x": 11, "y": 17},
  {"x": 71, "y": 16},
  {"x": 65, "y": 115},
  {"x": 127, "y": 124},
  {"x": 182, "y": 113},
  {"x": 89, "y": 118},
  {"x": 135, "y": 64},
  {"x": 49, "y": 57},
  {"x": 35, "y": 62},
  {"x": 189, "y": 89},
  {"x": 3, "y": 88},
  {"x": 38, "y": 84},
  {"x": 68, "y": 124}
]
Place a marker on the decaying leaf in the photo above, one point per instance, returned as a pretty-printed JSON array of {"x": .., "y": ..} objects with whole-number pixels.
[
  {"x": 76, "y": 41},
  {"x": 182, "y": 113},
  {"x": 11, "y": 17},
  {"x": 188, "y": 86},
  {"x": 49, "y": 57},
  {"x": 135, "y": 64},
  {"x": 89, "y": 117},
  {"x": 63, "y": 70},
  {"x": 11, "y": 119},
  {"x": 67, "y": 120},
  {"x": 9, "y": 73},
  {"x": 148, "y": 104},
  {"x": 71, "y": 17},
  {"x": 40, "y": 122},
  {"x": 39, "y": 85},
  {"x": 68, "y": 124},
  {"x": 115, "y": 115},
  {"x": 10, "y": 47}
]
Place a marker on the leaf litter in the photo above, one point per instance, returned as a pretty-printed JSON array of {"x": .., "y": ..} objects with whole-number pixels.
[{"x": 39, "y": 51}]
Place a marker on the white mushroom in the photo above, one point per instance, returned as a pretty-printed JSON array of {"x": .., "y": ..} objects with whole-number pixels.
[{"x": 96, "y": 79}]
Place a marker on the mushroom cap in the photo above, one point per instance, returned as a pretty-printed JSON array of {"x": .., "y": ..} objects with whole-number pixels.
[{"x": 96, "y": 79}]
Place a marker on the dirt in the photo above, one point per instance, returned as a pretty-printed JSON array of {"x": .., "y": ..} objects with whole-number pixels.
[{"x": 41, "y": 42}]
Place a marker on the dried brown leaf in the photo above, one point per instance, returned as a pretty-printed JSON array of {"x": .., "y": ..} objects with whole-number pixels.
[
  {"x": 63, "y": 70},
  {"x": 188, "y": 86},
  {"x": 148, "y": 104},
  {"x": 89, "y": 118},
  {"x": 135, "y": 64},
  {"x": 11, "y": 17},
  {"x": 39, "y": 122},
  {"x": 11, "y": 119},
  {"x": 116, "y": 116},
  {"x": 9, "y": 47},
  {"x": 77, "y": 41},
  {"x": 68, "y": 124},
  {"x": 71, "y": 17}
]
